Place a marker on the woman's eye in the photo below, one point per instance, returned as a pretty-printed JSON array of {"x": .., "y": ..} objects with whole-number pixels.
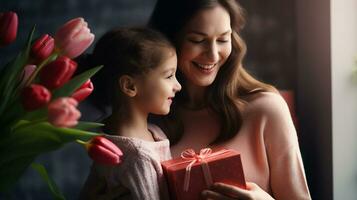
[
  {"x": 196, "y": 41},
  {"x": 223, "y": 40}
]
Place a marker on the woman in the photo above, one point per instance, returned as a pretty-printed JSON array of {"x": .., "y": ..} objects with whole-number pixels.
[{"x": 221, "y": 105}]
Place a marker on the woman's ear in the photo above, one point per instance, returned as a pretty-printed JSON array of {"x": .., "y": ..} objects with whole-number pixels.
[{"x": 127, "y": 85}]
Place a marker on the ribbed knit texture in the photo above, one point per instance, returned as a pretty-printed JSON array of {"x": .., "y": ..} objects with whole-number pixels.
[
  {"x": 140, "y": 171},
  {"x": 267, "y": 142}
]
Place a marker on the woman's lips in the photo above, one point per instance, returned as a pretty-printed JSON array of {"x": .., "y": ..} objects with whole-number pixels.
[{"x": 205, "y": 68}]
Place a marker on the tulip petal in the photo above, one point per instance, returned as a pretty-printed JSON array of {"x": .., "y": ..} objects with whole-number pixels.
[
  {"x": 69, "y": 27},
  {"x": 58, "y": 72},
  {"x": 74, "y": 38},
  {"x": 102, "y": 155},
  {"x": 35, "y": 96},
  {"x": 42, "y": 48},
  {"x": 63, "y": 112},
  {"x": 74, "y": 49},
  {"x": 8, "y": 27}
]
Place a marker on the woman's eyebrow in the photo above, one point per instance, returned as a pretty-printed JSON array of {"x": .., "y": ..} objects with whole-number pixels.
[{"x": 204, "y": 34}]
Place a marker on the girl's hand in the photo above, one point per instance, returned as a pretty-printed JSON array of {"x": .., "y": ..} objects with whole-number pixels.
[
  {"x": 100, "y": 192},
  {"x": 221, "y": 191}
]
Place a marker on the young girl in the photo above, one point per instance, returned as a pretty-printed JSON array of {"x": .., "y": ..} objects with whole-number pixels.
[{"x": 139, "y": 73}]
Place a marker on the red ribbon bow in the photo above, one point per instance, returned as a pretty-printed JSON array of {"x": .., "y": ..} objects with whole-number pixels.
[{"x": 190, "y": 155}]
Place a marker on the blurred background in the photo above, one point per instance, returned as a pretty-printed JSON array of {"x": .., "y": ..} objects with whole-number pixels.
[{"x": 303, "y": 46}]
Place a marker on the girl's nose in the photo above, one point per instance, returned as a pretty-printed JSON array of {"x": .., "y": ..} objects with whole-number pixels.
[{"x": 177, "y": 86}]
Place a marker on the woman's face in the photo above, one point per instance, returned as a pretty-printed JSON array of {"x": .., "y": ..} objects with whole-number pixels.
[{"x": 205, "y": 45}]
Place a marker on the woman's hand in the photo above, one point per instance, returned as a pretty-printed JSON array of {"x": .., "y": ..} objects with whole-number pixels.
[{"x": 221, "y": 191}]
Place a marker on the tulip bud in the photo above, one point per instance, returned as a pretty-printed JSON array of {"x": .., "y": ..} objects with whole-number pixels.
[
  {"x": 35, "y": 96},
  {"x": 84, "y": 91},
  {"x": 58, "y": 72},
  {"x": 42, "y": 48},
  {"x": 8, "y": 27},
  {"x": 27, "y": 72},
  {"x": 73, "y": 38},
  {"x": 103, "y": 151},
  {"x": 62, "y": 112}
]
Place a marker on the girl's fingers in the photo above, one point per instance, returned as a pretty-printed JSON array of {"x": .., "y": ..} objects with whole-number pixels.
[
  {"x": 119, "y": 191},
  {"x": 114, "y": 193}
]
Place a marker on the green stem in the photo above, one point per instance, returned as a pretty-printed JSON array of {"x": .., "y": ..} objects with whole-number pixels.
[
  {"x": 81, "y": 142},
  {"x": 45, "y": 62},
  {"x": 29, "y": 124}
]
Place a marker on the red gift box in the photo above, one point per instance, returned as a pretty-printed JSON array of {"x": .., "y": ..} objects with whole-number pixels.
[{"x": 223, "y": 166}]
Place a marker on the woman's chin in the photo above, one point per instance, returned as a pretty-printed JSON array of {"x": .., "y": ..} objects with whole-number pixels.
[{"x": 203, "y": 82}]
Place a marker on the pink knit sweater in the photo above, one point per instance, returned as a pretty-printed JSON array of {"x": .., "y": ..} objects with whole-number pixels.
[
  {"x": 267, "y": 142},
  {"x": 140, "y": 171}
]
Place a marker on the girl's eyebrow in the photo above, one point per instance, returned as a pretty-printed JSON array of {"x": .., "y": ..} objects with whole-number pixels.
[
  {"x": 204, "y": 34},
  {"x": 169, "y": 70}
]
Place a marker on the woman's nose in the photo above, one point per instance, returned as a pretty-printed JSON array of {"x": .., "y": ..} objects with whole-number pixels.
[{"x": 212, "y": 53}]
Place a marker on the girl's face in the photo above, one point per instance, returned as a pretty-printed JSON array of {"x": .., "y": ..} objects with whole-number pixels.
[
  {"x": 205, "y": 46},
  {"x": 157, "y": 88}
]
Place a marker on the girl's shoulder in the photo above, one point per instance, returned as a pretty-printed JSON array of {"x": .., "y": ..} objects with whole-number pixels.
[{"x": 157, "y": 132}]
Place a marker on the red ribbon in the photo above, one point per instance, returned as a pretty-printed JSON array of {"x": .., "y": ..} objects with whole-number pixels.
[{"x": 190, "y": 156}]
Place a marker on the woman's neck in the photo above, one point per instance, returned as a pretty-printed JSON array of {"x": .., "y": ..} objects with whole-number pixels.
[
  {"x": 196, "y": 97},
  {"x": 130, "y": 122}
]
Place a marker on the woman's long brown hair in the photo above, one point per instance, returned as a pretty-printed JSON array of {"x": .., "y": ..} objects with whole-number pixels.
[{"x": 232, "y": 83}]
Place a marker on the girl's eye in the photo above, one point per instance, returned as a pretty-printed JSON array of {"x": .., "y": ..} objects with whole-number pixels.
[{"x": 170, "y": 76}]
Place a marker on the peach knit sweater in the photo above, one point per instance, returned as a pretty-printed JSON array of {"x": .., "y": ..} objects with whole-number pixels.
[{"x": 267, "y": 142}]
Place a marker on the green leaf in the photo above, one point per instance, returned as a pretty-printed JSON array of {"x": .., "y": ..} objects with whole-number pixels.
[
  {"x": 36, "y": 114},
  {"x": 14, "y": 111},
  {"x": 51, "y": 184},
  {"x": 28, "y": 140},
  {"x": 36, "y": 138},
  {"x": 75, "y": 83},
  {"x": 10, "y": 77},
  {"x": 12, "y": 171},
  {"x": 88, "y": 125}
]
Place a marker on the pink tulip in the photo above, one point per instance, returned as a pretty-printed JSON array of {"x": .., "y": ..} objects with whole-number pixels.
[
  {"x": 8, "y": 27},
  {"x": 73, "y": 38},
  {"x": 103, "y": 151},
  {"x": 27, "y": 72},
  {"x": 42, "y": 48},
  {"x": 84, "y": 91},
  {"x": 35, "y": 96},
  {"x": 58, "y": 72},
  {"x": 62, "y": 112}
]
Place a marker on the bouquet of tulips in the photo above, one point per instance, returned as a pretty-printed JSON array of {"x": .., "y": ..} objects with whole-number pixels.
[{"x": 39, "y": 98}]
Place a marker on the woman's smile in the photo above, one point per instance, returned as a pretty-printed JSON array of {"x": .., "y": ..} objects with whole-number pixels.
[{"x": 205, "y": 68}]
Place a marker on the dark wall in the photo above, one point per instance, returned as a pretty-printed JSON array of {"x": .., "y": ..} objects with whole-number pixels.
[
  {"x": 271, "y": 57},
  {"x": 271, "y": 41}
]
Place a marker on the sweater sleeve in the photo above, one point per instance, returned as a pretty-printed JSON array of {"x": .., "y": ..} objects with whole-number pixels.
[
  {"x": 91, "y": 185},
  {"x": 287, "y": 173},
  {"x": 141, "y": 179}
]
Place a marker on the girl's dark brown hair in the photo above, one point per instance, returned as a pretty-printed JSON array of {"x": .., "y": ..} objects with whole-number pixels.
[
  {"x": 232, "y": 83},
  {"x": 124, "y": 51}
]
